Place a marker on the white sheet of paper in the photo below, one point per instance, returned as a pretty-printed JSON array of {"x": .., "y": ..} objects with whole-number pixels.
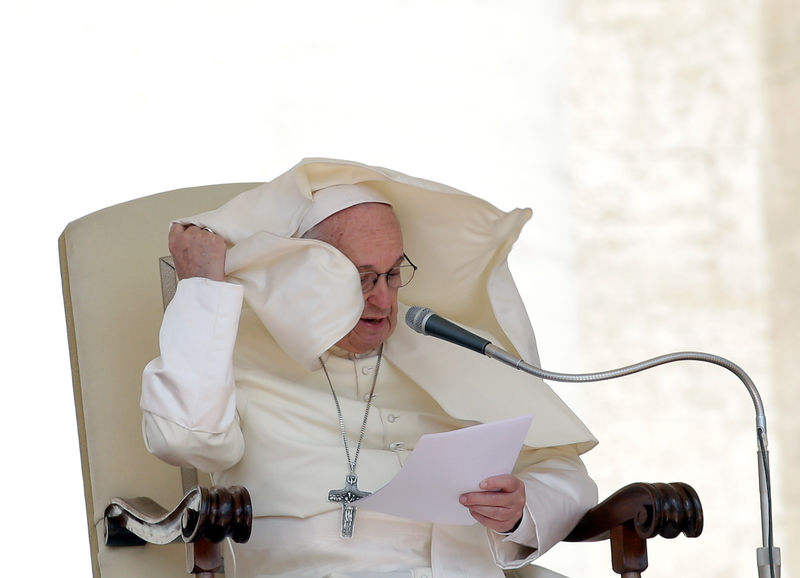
[{"x": 445, "y": 465}]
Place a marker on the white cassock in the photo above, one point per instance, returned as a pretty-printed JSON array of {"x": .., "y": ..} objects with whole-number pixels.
[{"x": 238, "y": 390}]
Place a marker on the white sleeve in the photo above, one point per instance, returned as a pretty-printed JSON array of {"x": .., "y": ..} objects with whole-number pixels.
[
  {"x": 179, "y": 446},
  {"x": 188, "y": 393},
  {"x": 558, "y": 493}
]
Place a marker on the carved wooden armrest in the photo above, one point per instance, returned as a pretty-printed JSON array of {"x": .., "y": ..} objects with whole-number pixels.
[
  {"x": 202, "y": 519},
  {"x": 636, "y": 513}
]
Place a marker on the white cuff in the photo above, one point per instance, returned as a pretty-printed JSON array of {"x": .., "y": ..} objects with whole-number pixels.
[
  {"x": 558, "y": 492},
  {"x": 511, "y": 549}
]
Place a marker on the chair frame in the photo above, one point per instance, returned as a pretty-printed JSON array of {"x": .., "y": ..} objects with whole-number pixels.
[{"x": 205, "y": 516}]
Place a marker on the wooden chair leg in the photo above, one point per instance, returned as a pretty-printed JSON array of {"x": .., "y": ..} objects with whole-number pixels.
[
  {"x": 628, "y": 551},
  {"x": 203, "y": 558}
]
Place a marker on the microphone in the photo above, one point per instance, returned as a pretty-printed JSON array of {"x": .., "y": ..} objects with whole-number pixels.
[{"x": 423, "y": 320}]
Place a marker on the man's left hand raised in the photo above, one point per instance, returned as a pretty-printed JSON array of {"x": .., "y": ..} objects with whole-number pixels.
[{"x": 499, "y": 504}]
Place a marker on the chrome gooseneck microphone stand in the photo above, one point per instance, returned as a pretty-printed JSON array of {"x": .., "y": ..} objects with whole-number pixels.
[{"x": 768, "y": 557}]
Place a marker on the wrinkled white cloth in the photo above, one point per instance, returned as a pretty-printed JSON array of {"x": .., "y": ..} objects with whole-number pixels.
[
  {"x": 260, "y": 414},
  {"x": 459, "y": 242},
  {"x": 289, "y": 468},
  {"x": 308, "y": 294}
]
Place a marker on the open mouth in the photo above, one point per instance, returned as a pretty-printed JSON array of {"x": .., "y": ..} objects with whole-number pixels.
[{"x": 373, "y": 320}]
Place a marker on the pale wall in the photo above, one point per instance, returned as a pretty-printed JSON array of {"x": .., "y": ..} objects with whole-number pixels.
[
  {"x": 682, "y": 137},
  {"x": 781, "y": 187}
]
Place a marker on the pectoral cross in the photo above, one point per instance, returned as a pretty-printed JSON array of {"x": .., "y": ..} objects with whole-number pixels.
[{"x": 346, "y": 496}]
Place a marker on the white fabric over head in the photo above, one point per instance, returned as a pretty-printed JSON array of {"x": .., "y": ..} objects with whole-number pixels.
[
  {"x": 307, "y": 294},
  {"x": 333, "y": 199}
]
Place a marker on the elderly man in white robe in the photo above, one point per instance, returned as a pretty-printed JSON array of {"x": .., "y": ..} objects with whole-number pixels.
[{"x": 283, "y": 368}]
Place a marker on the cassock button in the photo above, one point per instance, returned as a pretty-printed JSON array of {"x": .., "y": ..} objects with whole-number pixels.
[
  {"x": 366, "y": 396},
  {"x": 391, "y": 418},
  {"x": 366, "y": 370},
  {"x": 396, "y": 446}
]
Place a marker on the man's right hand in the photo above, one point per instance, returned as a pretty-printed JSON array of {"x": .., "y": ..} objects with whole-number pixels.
[{"x": 197, "y": 252}]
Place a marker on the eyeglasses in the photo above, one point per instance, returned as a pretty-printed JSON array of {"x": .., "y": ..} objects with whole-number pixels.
[{"x": 399, "y": 276}]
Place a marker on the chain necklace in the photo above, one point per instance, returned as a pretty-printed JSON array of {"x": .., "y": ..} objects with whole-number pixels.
[{"x": 350, "y": 493}]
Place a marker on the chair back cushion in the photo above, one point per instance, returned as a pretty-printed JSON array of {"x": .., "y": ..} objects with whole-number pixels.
[{"x": 113, "y": 304}]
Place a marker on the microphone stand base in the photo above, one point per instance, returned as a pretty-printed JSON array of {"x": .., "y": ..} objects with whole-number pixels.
[{"x": 762, "y": 557}]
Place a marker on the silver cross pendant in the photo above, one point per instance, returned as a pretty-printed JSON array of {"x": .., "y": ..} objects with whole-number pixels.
[{"x": 346, "y": 496}]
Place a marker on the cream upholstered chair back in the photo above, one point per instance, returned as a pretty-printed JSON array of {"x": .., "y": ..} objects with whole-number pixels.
[{"x": 113, "y": 304}]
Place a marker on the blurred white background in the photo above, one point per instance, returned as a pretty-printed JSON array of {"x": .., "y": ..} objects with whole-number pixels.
[{"x": 653, "y": 139}]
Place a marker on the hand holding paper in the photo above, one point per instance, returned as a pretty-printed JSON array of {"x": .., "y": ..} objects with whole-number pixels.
[
  {"x": 446, "y": 465},
  {"x": 500, "y": 503}
]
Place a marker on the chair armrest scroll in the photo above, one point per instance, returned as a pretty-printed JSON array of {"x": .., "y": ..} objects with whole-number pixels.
[
  {"x": 211, "y": 514},
  {"x": 652, "y": 509}
]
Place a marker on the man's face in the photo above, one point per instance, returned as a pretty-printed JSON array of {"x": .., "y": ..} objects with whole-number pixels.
[{"x": 369, "y": 235}]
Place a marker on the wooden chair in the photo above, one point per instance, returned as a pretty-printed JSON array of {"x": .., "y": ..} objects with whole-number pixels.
[{"x": 110, "y": 273}]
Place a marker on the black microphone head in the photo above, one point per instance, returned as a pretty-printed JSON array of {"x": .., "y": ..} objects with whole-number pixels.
[
  {"x": 416, "y": 317},
  {"x": 423, "y": 320}
]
